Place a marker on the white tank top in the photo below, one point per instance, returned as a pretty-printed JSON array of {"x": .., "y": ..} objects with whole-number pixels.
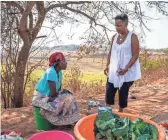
[{"x": 121, "y": 54}]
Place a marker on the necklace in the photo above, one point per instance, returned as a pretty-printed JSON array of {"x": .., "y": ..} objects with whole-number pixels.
[{"x": 122, "y": 37}]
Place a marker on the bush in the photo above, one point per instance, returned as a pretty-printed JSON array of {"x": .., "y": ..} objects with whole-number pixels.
[
  {"x": 153, "y": 63},
  {"x": 72, "y": 79}
]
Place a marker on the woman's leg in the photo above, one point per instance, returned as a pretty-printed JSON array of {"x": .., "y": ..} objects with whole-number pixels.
[
  {"x": 123, "y": 95},
  {"x": 110, "y": 94}
]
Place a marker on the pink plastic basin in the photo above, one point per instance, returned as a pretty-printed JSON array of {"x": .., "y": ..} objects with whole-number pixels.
[{"x": 52, "y": 135}]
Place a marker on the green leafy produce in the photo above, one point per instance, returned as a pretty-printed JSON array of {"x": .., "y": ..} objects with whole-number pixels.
[{"x": 110, "y": 126}]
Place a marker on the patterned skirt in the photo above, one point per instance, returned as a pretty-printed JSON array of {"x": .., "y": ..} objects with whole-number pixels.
[{"x": 62, "y": 111}]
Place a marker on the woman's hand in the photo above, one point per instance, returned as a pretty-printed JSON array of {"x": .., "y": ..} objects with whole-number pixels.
[
  {"x": 51, "y": 99},
  {"x": 106, "y": 71},
  {"x": 122, "y": 72}
]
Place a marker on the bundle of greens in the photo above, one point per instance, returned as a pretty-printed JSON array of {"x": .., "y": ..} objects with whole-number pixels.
[{"x": 110, "y": 126}]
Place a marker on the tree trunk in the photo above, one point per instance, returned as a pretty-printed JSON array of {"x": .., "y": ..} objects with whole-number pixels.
[
  {"x": 28, "y": 37},
  {"x": 19, "y": 76}
]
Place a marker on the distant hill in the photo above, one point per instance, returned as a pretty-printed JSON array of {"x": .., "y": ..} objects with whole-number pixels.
[{"x": 71, "y": 47}]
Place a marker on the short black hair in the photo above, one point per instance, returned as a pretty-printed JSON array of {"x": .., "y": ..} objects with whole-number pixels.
[{"x": 122, "y": 17}]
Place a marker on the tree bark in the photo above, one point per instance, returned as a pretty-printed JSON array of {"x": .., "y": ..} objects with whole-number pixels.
[
  {"x": 28, "y": 38},
  {"x": 19, "y": 76}
]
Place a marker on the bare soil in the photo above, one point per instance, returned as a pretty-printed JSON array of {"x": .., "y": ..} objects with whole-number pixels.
[{"x": 151, "y": 103}]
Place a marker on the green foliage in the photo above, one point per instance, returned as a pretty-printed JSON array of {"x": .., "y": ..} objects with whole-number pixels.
[
  {"x": 36, "y": 74},
  {"x": 123, "y": 128},
  {"x": 165, "y": 51},
  {"x": 153, "y": 63}
]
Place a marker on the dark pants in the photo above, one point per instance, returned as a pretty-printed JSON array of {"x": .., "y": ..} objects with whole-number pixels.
[{"x": 123, "y": 93}]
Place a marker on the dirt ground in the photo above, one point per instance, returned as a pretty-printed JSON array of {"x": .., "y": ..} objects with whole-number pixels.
[{"x": 151, "y": 103}]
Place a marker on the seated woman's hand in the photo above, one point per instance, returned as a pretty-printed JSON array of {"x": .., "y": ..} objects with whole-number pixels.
[
  {"x": 65, "y": 91},
  {"x": 51, "y": 99}
]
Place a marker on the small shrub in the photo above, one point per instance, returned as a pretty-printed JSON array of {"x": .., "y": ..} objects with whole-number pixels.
[{"x": 72, "y": 79}]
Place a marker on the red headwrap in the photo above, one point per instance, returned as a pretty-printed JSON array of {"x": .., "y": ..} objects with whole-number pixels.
[{"x": 55, "y": 57}]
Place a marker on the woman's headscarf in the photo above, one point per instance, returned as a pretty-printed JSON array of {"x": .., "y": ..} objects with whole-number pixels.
[{"x": 55, "y": 57}]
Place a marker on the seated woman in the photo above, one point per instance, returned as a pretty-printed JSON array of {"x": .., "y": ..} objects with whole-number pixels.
[{"x": 58, "y": 107}]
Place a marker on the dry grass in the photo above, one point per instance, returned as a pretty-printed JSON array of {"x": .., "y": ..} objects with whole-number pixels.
[
  {"x": 151, "y": 100},
  {"x": 85, "y": 78}
]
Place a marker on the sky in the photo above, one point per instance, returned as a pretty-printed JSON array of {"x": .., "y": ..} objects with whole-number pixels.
[
  {"x": 158, "y": 37},
  {"x": 155, "y": 39}
]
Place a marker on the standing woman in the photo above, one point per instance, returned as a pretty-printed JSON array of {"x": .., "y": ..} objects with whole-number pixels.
[{"x": 123, "y": 67}]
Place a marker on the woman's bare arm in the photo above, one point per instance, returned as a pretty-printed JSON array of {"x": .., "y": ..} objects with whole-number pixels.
[
  {"x": 53, "y": 91},
  {"x": 108, "y": 57},
  {"x": 135, "y": 51}
]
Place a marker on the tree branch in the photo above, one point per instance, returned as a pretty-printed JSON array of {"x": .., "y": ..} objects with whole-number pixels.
[
  {"x": 41, "y": 16},
  {"x": 67, "y": 3},
  {"x": 80, "y": 12},
  {"x": 23, "y": 20},
  {"x": 116, "y": 6},
  {"x": 42, "y": 36},
  {"x": 89, "y": 17},
  {"x": 30, "y": 21},
  {"x": 12, "y": 3},
  {"x": 140, "y": 16}
]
